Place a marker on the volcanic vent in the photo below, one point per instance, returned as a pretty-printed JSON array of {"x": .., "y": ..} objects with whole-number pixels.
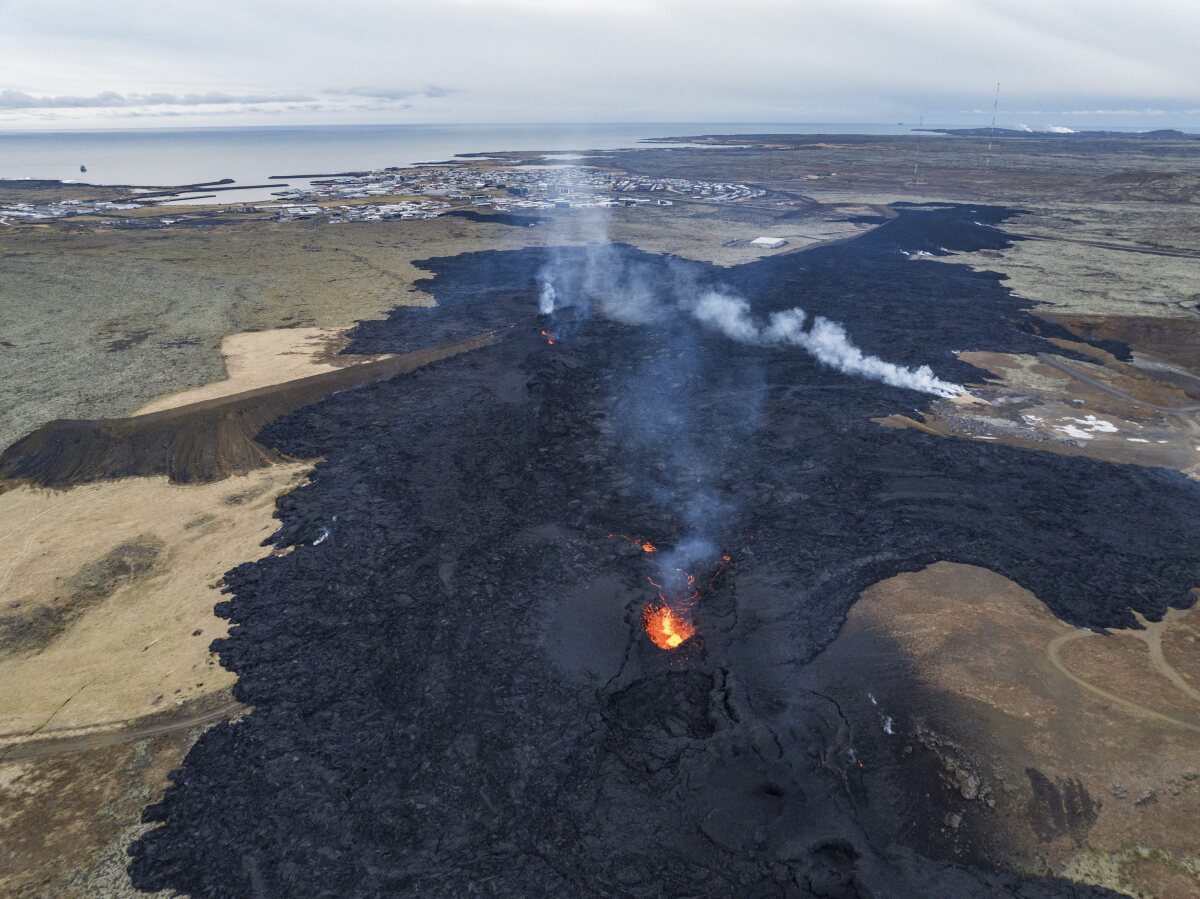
[{"x": 669, "y": 618}]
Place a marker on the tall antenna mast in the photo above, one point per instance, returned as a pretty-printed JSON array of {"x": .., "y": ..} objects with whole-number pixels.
[
  {"x": 917, "y": 161},
  {"x": 987, "y": 163}
]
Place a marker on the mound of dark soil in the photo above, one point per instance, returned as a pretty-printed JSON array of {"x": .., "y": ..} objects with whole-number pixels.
[{"x": 203, "y": 441}]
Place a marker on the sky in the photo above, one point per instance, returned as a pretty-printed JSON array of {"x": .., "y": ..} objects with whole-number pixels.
[{"x": 163, "y": 63}]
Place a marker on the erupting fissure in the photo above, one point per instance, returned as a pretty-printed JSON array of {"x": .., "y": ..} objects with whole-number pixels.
[
  {"x": 667, "y": 619},
  {"x": 664, "y": 628},
  {"x": 646, "y": 545}
]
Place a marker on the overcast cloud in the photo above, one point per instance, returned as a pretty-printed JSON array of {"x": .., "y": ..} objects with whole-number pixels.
[{"x": 1068, "y": 62}]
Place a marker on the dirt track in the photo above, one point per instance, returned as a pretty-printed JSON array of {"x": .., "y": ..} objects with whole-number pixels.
[
  {"x": 51, "y": 745},
  {"x": 1054, "y": 653}
]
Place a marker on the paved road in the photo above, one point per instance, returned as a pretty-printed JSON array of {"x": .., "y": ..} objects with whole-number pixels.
[{"x": 1126, "y": 248}]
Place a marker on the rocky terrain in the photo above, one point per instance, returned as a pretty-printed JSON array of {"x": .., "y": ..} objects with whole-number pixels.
[
  {"x": 934, "y": 646},
  {"x": 456, "y": 696}
]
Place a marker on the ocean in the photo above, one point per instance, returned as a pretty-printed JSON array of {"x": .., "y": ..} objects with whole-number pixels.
[
  {"x": 252, "y": 155},
  {"x": 174, "y": 156}
]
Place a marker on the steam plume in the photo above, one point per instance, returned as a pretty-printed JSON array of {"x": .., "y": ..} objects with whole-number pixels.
[
  {"x": 546, "y": 298},
  {"x": 826, "y": 341},
  {"x": 678, "y": 451},
  {"x": 729, "y": 315}
]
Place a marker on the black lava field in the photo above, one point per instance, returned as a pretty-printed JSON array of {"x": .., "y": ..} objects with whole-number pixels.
[{"x": 452, "y": 691}]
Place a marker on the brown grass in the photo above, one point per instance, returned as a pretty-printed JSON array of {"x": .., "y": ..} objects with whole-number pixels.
[{"x": 1108, "y": 724}]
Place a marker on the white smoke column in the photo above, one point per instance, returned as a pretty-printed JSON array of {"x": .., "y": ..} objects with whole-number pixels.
[
  {"x": 546, "y": 299},
  {"x": 729, "y": 315},
  {"x": 579, "y": 263},
  {"x": 829, "y": 344},
  {"x": 786, "y": 326},
  {"x": 826, "y": 341}
]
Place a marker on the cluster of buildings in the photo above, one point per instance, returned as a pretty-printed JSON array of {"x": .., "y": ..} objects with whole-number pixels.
[
  {"x": 712, "y": 191},
  {"x": 427, "y": 191},
  {"x": 364, "y": 212},
  {"x": 61, "y": 209}
]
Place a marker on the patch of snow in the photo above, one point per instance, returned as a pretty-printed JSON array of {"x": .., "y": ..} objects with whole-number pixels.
[
  {"x": 1084, "y": 428},
  {"x": 1096, "y": 424},
  {"x": 1072, "y": 431}
]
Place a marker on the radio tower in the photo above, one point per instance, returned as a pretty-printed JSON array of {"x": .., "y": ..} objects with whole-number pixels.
[
  {"x": 917, "y": 161},
  {"x": 987, "y": 162}
]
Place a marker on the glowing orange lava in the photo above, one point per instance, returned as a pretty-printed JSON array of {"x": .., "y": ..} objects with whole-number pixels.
[
  {"x": 645, "y": 545},
  {"x": 668, "y": 622},
  {"x": 549, "y": 339},
  {"x": 665, "y": 628}
]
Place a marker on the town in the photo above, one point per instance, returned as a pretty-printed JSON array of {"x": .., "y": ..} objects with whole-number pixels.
[{"x": 419, "y": 192}]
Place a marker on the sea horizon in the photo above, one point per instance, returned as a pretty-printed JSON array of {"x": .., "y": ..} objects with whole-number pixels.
[{"x": 254, "y": 154}]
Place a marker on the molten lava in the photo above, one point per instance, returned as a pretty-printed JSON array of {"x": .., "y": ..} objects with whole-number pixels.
[
  {"x": 665, "y": 627},
  {"x": 645, "y": 545},
  {"x": 668, "y": 621},
  {"x": 549, "y": 339}
]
